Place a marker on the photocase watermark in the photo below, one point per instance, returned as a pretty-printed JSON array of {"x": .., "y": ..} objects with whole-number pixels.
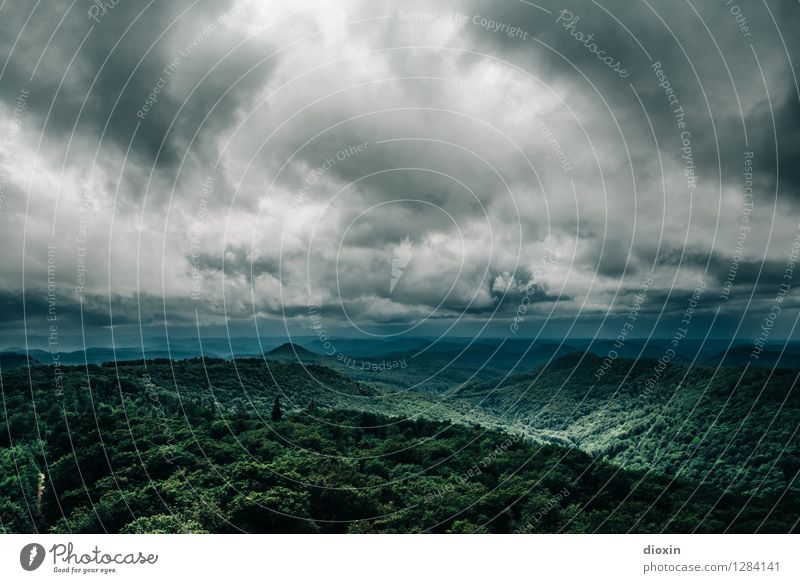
[
  {"x": 670, "y": 353},
  {"x": 99, "y": 8},
  {"x": 52, "y": 322},
  {"x": 32, "y": 556},
  {"x": 320, "y": 331},
  {"x": 679, "y": 114},
  {"x": 768, "y": 323},
  {"x": 418, "y": 16},
  {"x": 744, "y": 227},
  {"x": 553, "y": 502},
  {"x": 152, "y": 393},
  {"x": 473, "y": 472},
  {"x": 14, "y": 128},
  {"x": 317, "y": 173},
  {"x": 508, "y": 30},
  {"x": 95, "y": 560},
  {"x": 401, "y": 257},
  {"x": 495, "y": 26},
  {"x": 528, "y": 115},
  {"x": 161, "y": 83},
  {"x": 206, "y": 193},
  {"x": 65, "y": 559},
  {"x": 183, "y": 53},
  {"x": 624, "y": 332},
  {"x": 348, "y": 361},
  {"x": 309, "y": 181},
  {"x": 545, "y": 262},
  {"x": 568, "y": 21},
  {"x": 739, "y": 17},
  {"x": 81, "y": 238},
  {"x": 367, "y": 366}
]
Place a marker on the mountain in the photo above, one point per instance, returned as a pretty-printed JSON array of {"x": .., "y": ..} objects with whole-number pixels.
[
  {"x": 140, "y": 455},
  {"x": 606, "y": 445},
  {"x": 293, "y": 352},
  {"x": 12, "y": 360},
  {"x": 437, "y": 368},
  {"x": 730, "y": 427},
  {"x": 438, "y": 363},
  {"x": 97, "y": 355},
  {"x": 788, "y": 357}
]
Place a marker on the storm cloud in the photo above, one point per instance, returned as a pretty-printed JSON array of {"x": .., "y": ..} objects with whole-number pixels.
[{"x": 388, "y": 164}]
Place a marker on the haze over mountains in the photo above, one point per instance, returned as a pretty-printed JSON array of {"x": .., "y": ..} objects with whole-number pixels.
[{"x": 493, "y": 354}]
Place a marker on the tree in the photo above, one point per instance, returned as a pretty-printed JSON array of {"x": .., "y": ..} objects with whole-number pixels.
[
  {"x": 277, "y": 415},
  {"x": 163, "y": 524}
]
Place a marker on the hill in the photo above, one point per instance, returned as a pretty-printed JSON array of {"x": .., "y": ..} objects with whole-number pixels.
[
  {"x": 12, "y": 360},
  {"x": 292, "y": 351},
  {"x": 188, "y": 446},
  {"x": 788, "y": 357},
  {"x": 437, "y": 368},
  {"x": 134, "y": 461},
  {"x": 730, "y": 427}
]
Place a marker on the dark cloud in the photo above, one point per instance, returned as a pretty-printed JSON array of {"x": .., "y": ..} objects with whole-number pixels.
[
  {"x": 479, "y": 143},
  {"x": 66, "y": 313},
  {"x": 95, "y": 77}
]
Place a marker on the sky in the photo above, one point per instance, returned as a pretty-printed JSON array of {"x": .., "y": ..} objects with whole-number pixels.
[{"x": 379, "y": 168}]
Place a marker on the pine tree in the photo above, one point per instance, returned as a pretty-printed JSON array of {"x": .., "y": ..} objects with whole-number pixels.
[{"x": 277, "y": 415}]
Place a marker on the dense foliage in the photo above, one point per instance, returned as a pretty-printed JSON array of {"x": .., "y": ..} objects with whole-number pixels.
[
  {"x": 733, "y": 428},
  {"x": 182, "y": 447}
]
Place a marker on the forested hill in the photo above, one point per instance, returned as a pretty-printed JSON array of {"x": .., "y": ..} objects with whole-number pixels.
[
  {"x": 189, "y": 446},
  {"x": 735, "y": 428},
  {"x": 120, "y": 460}
]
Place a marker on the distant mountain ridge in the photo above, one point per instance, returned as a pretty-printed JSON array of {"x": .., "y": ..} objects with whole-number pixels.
[
  {"x": 292, "y": 350},
  {"x": 475, "y": 351}
]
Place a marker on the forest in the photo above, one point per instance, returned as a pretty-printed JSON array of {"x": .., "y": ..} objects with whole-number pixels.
[{"x": 222, "y": 446}]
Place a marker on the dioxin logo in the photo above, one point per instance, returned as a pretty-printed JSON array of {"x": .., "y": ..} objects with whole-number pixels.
[{"x": 31, "y": 556}]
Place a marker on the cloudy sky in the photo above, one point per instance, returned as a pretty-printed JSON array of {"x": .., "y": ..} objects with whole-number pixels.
[{"x": 399, "y": 167}]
